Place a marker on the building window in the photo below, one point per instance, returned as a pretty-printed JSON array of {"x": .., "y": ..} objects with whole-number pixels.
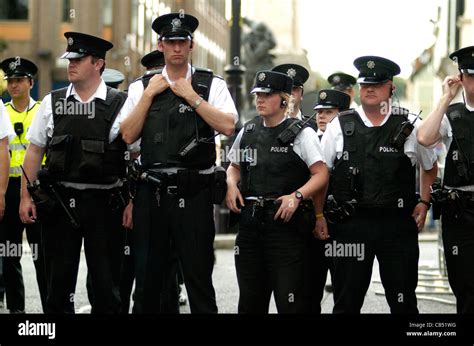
[{"x": 13, "y": 9}]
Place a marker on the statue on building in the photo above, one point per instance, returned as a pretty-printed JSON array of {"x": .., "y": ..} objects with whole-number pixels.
[{"x": 257, "y": 43}]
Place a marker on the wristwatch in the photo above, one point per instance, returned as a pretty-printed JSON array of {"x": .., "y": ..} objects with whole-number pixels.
[
  {"x": 299, "y": 195},
  {"x": 197, "y": 103}
]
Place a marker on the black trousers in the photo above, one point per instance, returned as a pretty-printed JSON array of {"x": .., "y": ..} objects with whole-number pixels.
[
  {"x": 318, "y": 267},
  {"x": 188, "y": 222},
  {"x": 393, "y": 238},
  {"x": 270, "y": 257},
  {"x": 11, "y": 232},
  {"x": 100, "y": 216},
  {"x": 458, "y": 242},
  {"x": 2, "y": 282}
]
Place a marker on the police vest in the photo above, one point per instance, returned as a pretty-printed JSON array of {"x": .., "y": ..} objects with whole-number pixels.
[
  {"x": 172, "y": 124},
  {"x": 79, "y": 150},
  {"x": 459, "y": 168},
  {"x": 386, "y": 176},
  {"x": 19, "y": 144},
  {"x": 268, "y": 168}
]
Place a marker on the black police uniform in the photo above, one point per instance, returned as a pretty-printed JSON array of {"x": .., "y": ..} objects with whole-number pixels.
[
  {"x": 458, "y": 212},
  {"x": 11, "y": 227},
  {"x": 381, "y": 185},
  {"x": 319, "y": 263},
  {"x": 79, "y": 153},
  {"x": 180, "y": 209},
  {"x": 270, "y": 255}
]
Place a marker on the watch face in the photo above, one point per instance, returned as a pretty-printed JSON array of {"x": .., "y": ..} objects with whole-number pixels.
[{"x": 299, "y": 195}]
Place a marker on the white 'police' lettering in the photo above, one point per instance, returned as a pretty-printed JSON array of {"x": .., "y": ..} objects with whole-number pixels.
[
  {"x": 279, "y": 149},
  {"x": 387, "y": 150}
]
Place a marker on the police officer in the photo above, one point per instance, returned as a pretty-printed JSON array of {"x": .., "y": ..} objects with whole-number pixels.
[
  {"x": 6, "y": 134},
  {"x": 274, "y": 178},
  {"x": 153, "y": 61},
  {"x": 344, "y": 82},
  {"x": 85, "y": 165},
  {"x": 172, "y": 112},
  {"x": 373, "y": 157},
  {"x": 453, "y": 125},
  {"x": 299, "y": 75},
  {"x": 329, "y": 104},
  {"x": 113, "y": 78},
  {"x": 19, "y": 73}
]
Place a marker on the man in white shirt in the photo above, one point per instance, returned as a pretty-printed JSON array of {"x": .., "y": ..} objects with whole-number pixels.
[
  {"x": 454, "y": 126},
  {"x": 373, "y": 156}
]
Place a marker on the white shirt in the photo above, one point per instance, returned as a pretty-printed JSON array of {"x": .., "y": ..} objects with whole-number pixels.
[
  {"x": 446, "y": 132},
  {"x": 31, "y": 104},
  {"x": 333, "y": 142},
  {"x": 6, "y": 128},
  {"x": 43, "y": 125},
  {"x": 219, "y": 97},
  {"x": 306, "y": 146}
]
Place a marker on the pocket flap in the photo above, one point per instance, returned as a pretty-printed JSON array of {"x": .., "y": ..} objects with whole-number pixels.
[
  {"x": 57, "y": 140},
  {"x": 92, "y": 146}
]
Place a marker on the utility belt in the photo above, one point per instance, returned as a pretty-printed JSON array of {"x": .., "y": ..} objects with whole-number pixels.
[
  {"x": 451, "y": 202},
  {"x": 304, "y": 216},
  {"x": 184, "y": 183}
]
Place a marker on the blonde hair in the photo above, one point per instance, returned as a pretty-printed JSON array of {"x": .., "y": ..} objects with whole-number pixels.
[{"x": 290, "y": 102}]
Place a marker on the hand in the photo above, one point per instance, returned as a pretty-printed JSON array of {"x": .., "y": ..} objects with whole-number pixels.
[
  {"x": 451, "y": 85},
  {"x": 233, "y": 194},
  {"x": 183, "y": 88},
  {"x": 157, "y": 85},
  {"x": 27, "y": 211},
  {"x": 321, "y": 229},
  {"x": 127, "y": 218},
  {"x": 419, "y": 214},
  {"x": 2, "y": 206},
  {"x": 289, "y": 204}
]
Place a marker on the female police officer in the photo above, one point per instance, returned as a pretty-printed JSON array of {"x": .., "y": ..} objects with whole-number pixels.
[{"x": 274, "y": 174}]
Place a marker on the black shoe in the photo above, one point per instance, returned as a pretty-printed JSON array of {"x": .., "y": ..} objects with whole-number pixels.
[
  {"x": 17, "y": 311},
  {"x": 328, "y": 288}
]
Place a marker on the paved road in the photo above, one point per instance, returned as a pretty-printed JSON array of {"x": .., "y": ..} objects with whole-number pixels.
[{"x": 225, "y": 283}]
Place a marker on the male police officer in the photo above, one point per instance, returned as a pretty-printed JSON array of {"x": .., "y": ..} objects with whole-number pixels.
[
  {"x": 299, "y": 75},
  {"x": 176, "y": 114},
  {"x": 329, "y": 104},
  {"x": 276, "y": 175},
  {"x": 344, "y": 82},
  {"x": 85, "y": 166},
  {"x": 454, "y": 126},
  {"x": 19, "y": 73},
  {"x": 373, "y": 156}
]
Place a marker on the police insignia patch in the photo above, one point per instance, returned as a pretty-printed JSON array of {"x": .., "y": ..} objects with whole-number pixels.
[
  {"x": 322, "y": 95},
  {"x": 176, "y": 23},
  {"x": 291, "y": 72},
  {"x": 70, "y": 41},
  {"x": 370, "y": 64},
  {"x": 336, "y": 79},
  {"x": 12, "y": 65},
  {"x": 261, "y": 77}
]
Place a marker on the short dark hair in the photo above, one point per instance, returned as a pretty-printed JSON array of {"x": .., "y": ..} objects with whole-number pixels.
[{"x": 94, "y": 60}]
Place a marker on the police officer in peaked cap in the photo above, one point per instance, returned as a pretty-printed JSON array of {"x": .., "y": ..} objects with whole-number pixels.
[
  {"x": 299, "y": 75},
  {"x": 180, "y": 108},
  {"x": 373, "y": 154},
  {"x": 344, "y": 82},
  {"x": 78, "y": 128},
  {"x": 453, "y": 124},
  {"x": 278, "y": 176}
]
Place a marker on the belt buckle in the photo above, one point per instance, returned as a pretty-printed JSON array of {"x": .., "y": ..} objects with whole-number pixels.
[
  {"x": 260, "y": 202},
  {"x": 172, "y": 190}
]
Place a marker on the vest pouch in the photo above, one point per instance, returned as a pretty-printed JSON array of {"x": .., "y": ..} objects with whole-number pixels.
[
  {"x": 59, "y": 154},
  {"x": 92, "y": 158}
]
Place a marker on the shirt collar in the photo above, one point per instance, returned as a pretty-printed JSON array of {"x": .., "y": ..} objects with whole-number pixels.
[
  {"x": 284, "y": 118},
  {"x": 188, "y": 74},
  {"x": 30, "y": 105},
  {"x": 366, "y": 120},
  {"x": 100, "y": 92}
]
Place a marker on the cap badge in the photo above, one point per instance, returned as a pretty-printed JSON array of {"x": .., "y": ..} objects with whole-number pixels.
[
  {"x": 322, "y": 96},
  {"x": 12, "y": 65},
  {"x": 70, "y": 41},
  {"x": 291, "y": 72},
  {"x": 261, "y": 77},
  {"x": 370, "y": 64},
  {"x": 176, "y": 23},
  {"x": 336, "y": 79}
]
